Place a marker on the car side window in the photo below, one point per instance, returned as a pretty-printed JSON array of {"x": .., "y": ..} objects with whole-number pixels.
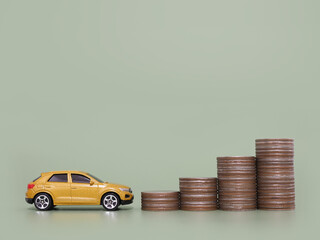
[
  {"x": 59, "y": 178},
  {"x": 78, "y": 178}
]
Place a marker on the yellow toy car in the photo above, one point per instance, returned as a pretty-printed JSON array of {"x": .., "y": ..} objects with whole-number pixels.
[{"x": 75, "y": 188}]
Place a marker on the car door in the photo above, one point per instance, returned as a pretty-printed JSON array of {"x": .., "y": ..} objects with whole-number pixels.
[
  {"x": 82, "y": 192},
  {"x": 59, "y": 187}
]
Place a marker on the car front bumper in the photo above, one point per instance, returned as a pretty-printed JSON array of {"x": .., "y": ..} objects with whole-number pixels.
[
  {"x": 29, "y": 200},
  {"x": 126, "y": 202}
]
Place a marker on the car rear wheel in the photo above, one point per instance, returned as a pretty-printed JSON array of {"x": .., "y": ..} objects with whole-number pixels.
[
  {"x": 110, "y": 201},
  {"x": 43, "y": 202}
]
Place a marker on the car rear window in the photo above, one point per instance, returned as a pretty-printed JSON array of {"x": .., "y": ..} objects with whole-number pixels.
[
  {"x": 59, "y": 178},
  {"x": 36, "y": 179}
]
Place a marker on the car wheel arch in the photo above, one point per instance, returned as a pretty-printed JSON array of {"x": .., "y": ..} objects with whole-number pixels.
[
  {"x": 107, "y": 193},
  {"x": 38, "y": 193}
]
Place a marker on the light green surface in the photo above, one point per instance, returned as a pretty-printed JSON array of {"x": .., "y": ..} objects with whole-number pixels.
[{"x": 144, "y": 92}]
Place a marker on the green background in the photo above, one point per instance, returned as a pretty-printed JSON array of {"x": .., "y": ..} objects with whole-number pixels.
[{"x": 144, "y": 92}]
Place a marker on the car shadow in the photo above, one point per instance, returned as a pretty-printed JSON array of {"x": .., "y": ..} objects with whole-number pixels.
[{"x": 82, "y": 209}]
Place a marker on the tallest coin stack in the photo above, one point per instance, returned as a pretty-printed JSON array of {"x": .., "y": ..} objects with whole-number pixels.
[{"x": 275, "y": 174}]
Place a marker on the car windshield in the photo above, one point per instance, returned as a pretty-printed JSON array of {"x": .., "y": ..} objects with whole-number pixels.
[{"x": 98, "y": 179}]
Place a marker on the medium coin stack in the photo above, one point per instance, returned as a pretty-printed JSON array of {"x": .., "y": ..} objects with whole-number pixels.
[
  {"x": 160, "y": 200},
  {"x": 198, "y": 194},
  {"x": 237, "y": 183},
  {"x": 276, "y": 190}
]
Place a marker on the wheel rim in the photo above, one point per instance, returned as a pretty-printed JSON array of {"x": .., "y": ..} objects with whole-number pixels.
[
  {"x": 110, "y": 201},
  {"x": 42, "y": 201}
]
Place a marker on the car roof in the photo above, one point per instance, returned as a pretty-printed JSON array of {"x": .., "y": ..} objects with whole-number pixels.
[{"x": 66, "y": 171}]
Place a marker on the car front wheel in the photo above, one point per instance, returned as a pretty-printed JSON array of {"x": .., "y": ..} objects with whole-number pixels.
[
  {"x": 110, "y": 201},
  {"x": 43, "y": 202}
]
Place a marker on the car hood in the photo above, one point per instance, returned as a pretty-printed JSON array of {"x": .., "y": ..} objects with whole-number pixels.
[{"x": 114, "y": 185}]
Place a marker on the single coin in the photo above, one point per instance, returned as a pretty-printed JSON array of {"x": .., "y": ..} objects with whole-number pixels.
[
  {"x": 276, "y": 204},
  {"x": 235, "y": 207},
  {"x": 198, "y": 198},
  {"x": 235, "y": 157},
  {"x": 159, "y": 199},
  {"x": 276, "y": 187},
  {"x": 262, "y": 165},
  {"x": 274, "y": 172},
  {"x": 162, "y": 193},
  {"x": 236, "y": 160},
  {"x": 274, "y": 146},
  {"x": 274, "y": 152},
  {"x": 275, "y": 140},
  {"x": 276, "y": 196},
  {"x": 198, "y": 191},
  {"x": 277, "y": 207},
  {"x": 262, "y": 156},
  {"x": 274, "y": 161},
  {"x": 162, "y": 204},
  {"x": 199, "y": 208},
  {"x": 198, "y": 179},
  {"x": 160, "y": 208}
]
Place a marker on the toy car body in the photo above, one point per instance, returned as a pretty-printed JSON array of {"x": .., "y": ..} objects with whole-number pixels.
[{"x": 75, "y": 188}]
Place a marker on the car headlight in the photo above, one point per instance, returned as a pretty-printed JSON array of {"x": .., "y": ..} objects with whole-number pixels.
[{"x": 126, "y": 190}]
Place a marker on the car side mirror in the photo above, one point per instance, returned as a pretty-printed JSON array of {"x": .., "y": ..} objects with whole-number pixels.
[{"x": 91, "y": 183}]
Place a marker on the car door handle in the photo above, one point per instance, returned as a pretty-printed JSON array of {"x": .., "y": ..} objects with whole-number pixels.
[
  {"x": 74, "y": 188},
  {"x": 47, "y": 186}
]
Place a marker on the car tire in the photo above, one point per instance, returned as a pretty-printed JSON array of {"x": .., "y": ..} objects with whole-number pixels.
[
  {"x": 43, "y": 202},
  {"x": 110, "y": 201}
]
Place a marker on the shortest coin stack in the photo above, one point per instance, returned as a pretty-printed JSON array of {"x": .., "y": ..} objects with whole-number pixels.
[
  {"x": 160, "y": 200},
  {"x": 198, "y": 194}
]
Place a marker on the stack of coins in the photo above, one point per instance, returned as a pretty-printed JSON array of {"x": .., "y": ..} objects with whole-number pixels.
[
  {"x": 198, "y": 194},
  {"x": 237, "y": 183},
  {"x": 275, "y": 171},
  {"x": 160, "y": 200}
]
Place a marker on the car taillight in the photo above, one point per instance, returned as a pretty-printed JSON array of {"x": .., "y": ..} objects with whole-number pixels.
[{"x": 30, "y": 186}]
